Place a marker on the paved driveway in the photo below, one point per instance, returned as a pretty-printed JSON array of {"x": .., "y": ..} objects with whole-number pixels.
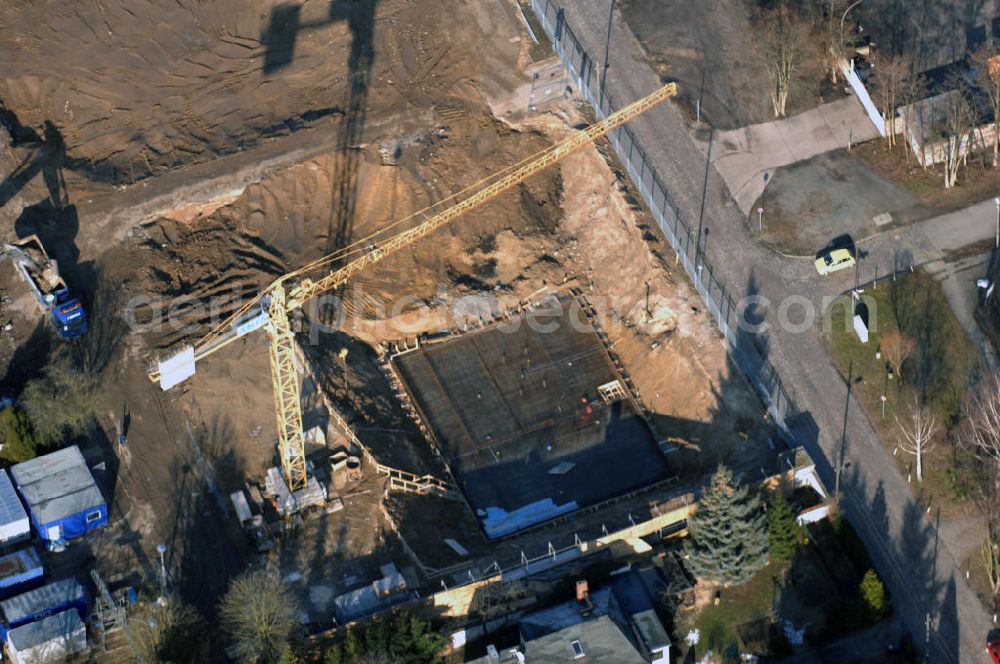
[
  {"x": 746, "y": 158},
  {"x": 919, "y": 569}
]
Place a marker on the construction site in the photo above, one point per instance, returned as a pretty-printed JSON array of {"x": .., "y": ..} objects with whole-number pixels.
[{"x": 454, "y": 399}]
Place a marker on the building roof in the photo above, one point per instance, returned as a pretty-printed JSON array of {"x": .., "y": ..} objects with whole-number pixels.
[
  {"x": 618, "y": 624},
  {"x": 57, "y": 485},
  {"x": 11, "y": 509},
  {"x": 53, "y": 595},
  {"x": 15, "y": 565},
  {"x": 599, "y": 640},
  {"x": 65, "y": 625}
]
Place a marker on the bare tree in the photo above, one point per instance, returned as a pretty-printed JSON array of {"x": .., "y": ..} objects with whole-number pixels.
[
  {"x": 259, "y": 614},
  {"x": 897, "y": 347},
  {"x": 890, "y": 73},
  {"x": 917, "y": 435},
  {"x": 981, "y": 433},
  {"x": 781, "y": 43},
  {"x": 833, "y": 41},
  {"x": 987, "y": 62},
  {"x": 165, "y": 632},
  {"x": 959, "y": 120},
  {"x": 915, "y": 89}
]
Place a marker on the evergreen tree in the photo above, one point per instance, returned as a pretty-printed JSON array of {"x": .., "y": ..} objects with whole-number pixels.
[
  {"x": 18, "y": 441},
  {"x": 727, "y": 534},
  {"x": 782, "y": 531},
  {"x": 873, "y": 595}
]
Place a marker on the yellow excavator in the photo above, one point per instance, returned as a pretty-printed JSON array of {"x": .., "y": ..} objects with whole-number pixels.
[{"x": 271, "y": 307}]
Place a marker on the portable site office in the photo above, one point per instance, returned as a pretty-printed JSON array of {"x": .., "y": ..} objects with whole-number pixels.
[
  {"x": 49, "y": 639},
  {"x": 62, "y": 497},
  {"x": 14, "y": 524},
  {"x": 47, "y": 600}
]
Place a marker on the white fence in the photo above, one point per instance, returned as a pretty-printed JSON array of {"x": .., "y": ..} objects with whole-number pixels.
[
  {"x": 861, "y": 92},
  {"x": 723, "y": 306}
]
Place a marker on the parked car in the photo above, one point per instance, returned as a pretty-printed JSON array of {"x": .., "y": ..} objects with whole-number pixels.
[
  {"x": 993, "y": 648},
  {"x": 833, "y": 260}
]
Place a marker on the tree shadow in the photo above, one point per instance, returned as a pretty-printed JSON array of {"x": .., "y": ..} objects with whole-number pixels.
[
  {"x": 47, "y": 158},
  {"x": 107, "y": 328},
  {"x": 29, "y": 358}
]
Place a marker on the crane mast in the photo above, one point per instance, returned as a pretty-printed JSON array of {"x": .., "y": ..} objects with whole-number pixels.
[{"x": 278, "y": 299}]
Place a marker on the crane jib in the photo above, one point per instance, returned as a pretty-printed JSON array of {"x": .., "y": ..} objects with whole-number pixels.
[{"x": 277, "y": 303}]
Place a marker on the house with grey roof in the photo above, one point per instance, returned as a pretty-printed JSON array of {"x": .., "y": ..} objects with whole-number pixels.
[{"x": 615, "y": 624}]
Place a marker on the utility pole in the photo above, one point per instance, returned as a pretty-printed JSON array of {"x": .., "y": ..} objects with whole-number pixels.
[
  {"x": 843, "y": 439},
  {"x": 846, "y": 12}
]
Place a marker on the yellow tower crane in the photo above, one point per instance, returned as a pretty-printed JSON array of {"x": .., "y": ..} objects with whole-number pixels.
[{"x": 271, "y": 307}]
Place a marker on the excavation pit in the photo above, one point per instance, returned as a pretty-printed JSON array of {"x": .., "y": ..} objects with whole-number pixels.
[{"x": 532, "y": 417}]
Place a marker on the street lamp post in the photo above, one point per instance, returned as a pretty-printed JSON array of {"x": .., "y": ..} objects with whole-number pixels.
[
  {"x": 846, "y": 12},
  {"x": 996, "y": 201}
]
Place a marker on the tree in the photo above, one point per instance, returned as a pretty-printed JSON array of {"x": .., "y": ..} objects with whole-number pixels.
[
  {"x": 873, "y": 595},
  {"x": 18, "y": 441},
  {"x": 403, "y": 638},
  {"x": 782, "y": 530},
  {"x": 258, "y": 614},
  {"x": 62, "y": 401},
  {"x": 167, "y": 632},
  {"x": 981, "y": 433},
  {"x": 727, "y": 534},
  {"x": 987, "y": 63},
  {"x": 959, "y": 118},
  {"x": 889, "y": 73},
  {"x": 781, "y": 43},
  {"x": 833, "y": 39},
  {"x": 897, "y": 347},
  {"x": 917, "y": 434}
]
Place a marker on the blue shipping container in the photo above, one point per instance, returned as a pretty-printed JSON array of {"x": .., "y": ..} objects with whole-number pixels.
[
  {"x": 62, "y": 497},
  {"x": 19, "y": 570},
  {"x": 50, "y": 598}
]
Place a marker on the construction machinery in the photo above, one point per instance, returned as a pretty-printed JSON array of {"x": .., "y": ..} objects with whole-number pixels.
[
  {"x": 271, "y": 308},
  {"x": 41, "y": 273}
]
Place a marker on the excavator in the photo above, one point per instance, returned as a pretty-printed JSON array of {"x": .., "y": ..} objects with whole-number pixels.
[{"x": 270, "y": 309}]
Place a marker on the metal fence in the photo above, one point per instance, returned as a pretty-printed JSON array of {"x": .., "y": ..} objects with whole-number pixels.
[{"x": 727, "y": 310}]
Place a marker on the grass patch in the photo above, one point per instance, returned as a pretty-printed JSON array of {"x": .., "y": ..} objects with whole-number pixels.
[
  {"x": 938, "y": 372},
  {"x": 976, "y": 182},
  {"x": 717, "y": 623}
]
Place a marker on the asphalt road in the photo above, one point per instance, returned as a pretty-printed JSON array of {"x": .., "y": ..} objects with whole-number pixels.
[{"x": 929, "y": 591}]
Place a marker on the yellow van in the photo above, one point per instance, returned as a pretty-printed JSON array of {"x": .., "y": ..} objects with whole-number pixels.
[{"x": 833, "y": 260}]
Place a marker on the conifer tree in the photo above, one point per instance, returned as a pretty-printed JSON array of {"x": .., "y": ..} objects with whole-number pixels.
[
  {"x": 727, "y": 534},
  {"x": 782, "y": 531},
  {"x": 874, "y": 596}
]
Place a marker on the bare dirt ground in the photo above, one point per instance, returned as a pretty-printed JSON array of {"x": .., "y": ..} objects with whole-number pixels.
[
  {"x": 426, "y": 133},
  {"x": 139, "y": 88}
]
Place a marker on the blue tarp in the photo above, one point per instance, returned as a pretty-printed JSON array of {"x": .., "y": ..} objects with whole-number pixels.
[{"x": 498, "y": 522}]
